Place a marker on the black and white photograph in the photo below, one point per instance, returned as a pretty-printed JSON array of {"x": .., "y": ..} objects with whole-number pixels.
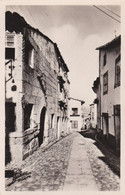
[{"x": 62, "y": 96}]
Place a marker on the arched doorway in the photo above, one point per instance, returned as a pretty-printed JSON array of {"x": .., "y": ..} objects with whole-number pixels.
[{"x": 42, "y": 125}]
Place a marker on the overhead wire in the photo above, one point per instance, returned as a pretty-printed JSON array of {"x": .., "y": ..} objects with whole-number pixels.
[
  {"x": 110, "y": 11},
  {"x": 106, "y": 14},
  {"x": 28, "y": 9},
  {"x": 25, "y": 11}
]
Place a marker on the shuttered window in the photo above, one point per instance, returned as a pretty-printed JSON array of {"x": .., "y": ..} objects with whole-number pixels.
[
  {"x": 117, "y": 71},
  {"x": 74, "y": 124},
  {"x": 105, "y": 83}
]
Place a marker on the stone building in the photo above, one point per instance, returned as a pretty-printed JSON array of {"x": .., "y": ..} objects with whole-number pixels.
[
  {"x": 36, "y": 89},
  {"x": 107, "y": 87}
]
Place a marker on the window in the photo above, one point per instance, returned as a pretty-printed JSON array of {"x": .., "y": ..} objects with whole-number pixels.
[
  {"x": 93, "y": 116},
  {"x": 105, "y": 83},
  {"x": 74, "y": 111},
  {"x": 104, "y": 59},
  {"x": 10, "y": 53},
  {"x": 10, "y": 116},
  {"x": 52, "y": 120},
  {"x": 117, "y": 71},
  {"x": 27, "y": 115},
  {"x": 29, "y": 57},
  {"x": 74, "y": 124},
  {"x": 10, "y": 40}
]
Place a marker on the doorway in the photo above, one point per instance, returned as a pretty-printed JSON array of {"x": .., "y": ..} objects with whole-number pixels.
[
  {"x": 10, "y": 123},
  {"x": 117, "y": 125},
  {"x": 42, "y": 126},
  {"x": 105, "y": 124}
]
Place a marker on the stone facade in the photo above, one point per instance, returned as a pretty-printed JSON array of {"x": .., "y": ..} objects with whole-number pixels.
[
  {"x": 108, "y": 91},
  {"x": 37, "y": 89}
]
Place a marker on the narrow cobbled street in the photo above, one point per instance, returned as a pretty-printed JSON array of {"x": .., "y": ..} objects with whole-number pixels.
[{"x": 73, "y": 163}]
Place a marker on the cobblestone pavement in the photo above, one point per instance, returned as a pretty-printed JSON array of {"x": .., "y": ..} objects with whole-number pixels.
[
  {"x": 105, "y": 166},
  {"x": 47, "y": 172}
]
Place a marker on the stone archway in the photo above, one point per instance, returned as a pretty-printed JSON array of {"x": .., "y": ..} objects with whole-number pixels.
[{"x": 43, "y": 125}]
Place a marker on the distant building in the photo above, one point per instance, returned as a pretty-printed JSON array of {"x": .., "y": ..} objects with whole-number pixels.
[
  {"x": 85, "y": 118},
  {"x": 76, "y": 113},
  {"x": 36, "y": 89},
  {"x": 93, "y": 116},
  {"x": 107, "y": 87}
]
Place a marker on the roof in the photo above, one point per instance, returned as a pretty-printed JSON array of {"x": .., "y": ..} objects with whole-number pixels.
[
  {"x": 112, "y": 43},
  {"x": 15, "y": 22}
]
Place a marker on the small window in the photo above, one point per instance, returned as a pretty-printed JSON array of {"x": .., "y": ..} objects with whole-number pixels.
[
  {"x": 9, "y": 40},
  {"x": 104, "y": 59},
  {"x": 29, "y": 54},
  {"x": 27, "y": 115},
  {"x": 52, "y": 121},
  {"x": 31, "y": 58},
  {"x": 74, "y": 111},
  {"x": 105, "y": 83},
  {"x": 10, "y": 53},
  {"x": 117, "y": 71},
  {"x": 74, "y": 124}
]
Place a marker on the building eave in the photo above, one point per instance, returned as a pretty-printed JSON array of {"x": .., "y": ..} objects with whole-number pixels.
[{"x": 115, "y": 41}]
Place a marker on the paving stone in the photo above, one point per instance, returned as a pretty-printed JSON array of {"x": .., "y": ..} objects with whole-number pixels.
[
  {"x": 104, "y": 170},
  {"x": 46, "y": 171}
]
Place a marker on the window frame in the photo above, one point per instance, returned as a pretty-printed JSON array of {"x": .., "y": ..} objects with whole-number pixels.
[
  {"x": 117, "y": 73},
  {"x": 29, "y": 54},
  {"x": 74, "y": 124},
  {"x": 27, "y": 116},
  {"x": 74, "y": 111},
  {"x": 10, "y": 55},
  {"x": 104, "y": 59},
  {"x": 105, "y": 83}
]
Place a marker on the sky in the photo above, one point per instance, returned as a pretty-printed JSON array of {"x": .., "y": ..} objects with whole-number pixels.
[{"x": 78, "y": 31}]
